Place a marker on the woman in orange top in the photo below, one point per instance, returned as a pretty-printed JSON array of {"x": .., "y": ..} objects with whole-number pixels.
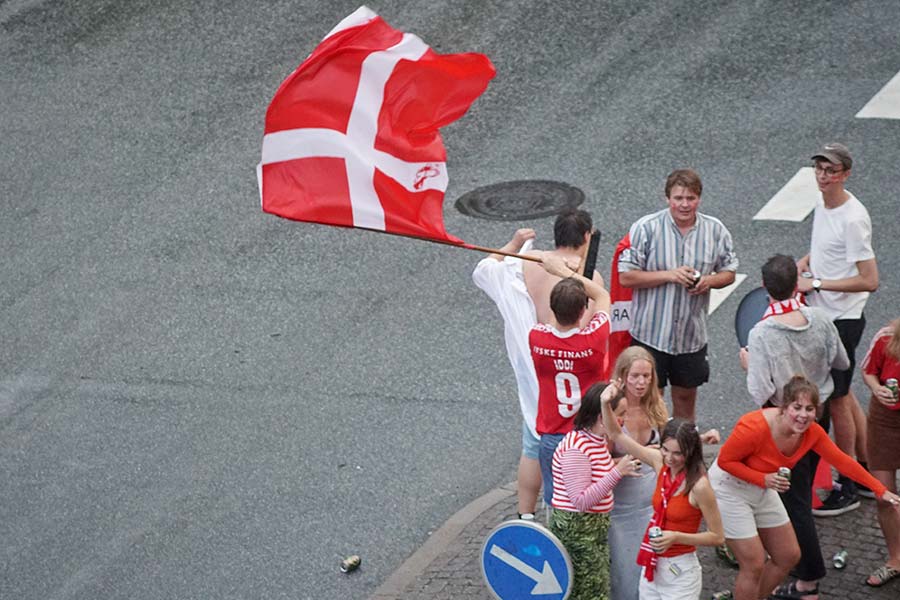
[
  {"x": 683, "y": 496},
  {"x": 746, "y": 481}
]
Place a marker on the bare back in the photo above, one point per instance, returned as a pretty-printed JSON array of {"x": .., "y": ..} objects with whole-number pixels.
[{"x": 539, "y": 284}]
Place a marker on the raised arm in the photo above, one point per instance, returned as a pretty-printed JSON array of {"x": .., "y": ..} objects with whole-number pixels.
[
  {"x": 556, "y": 265},
  {"x": 515, "y": 244},
  {"x": 651, "y": 456}
]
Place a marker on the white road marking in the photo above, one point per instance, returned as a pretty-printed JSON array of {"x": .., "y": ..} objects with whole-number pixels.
[
  {"x": 794, "y": 201},
  {"x": 885, "y": 104},
  {"x": 717, "y": 297}
]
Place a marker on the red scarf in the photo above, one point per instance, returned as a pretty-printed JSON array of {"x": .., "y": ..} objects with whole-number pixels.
[
  {"x": 646, "y": 556},
  {"x": 619, "y": 313},
  {"x": 783, "y": 307}
]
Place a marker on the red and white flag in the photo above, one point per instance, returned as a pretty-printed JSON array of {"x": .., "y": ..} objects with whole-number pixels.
[
  {"x": 620, "y": 311},
  {"x": 351, "y": 136}
]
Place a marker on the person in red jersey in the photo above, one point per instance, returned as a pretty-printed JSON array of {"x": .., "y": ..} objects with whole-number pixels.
[
  {"x": 882, "y": 362},
  {"x": 746, "y": 482},
  {"x": 682, "y": 497},
  {"x": 567, "y": 359}
]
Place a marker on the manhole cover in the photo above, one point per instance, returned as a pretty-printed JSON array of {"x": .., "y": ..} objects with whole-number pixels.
[{"x": 517, "y": 200}]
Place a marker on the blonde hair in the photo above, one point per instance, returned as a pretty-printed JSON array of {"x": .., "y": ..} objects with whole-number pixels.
[
  {"x": 893, "y": 346},
  {"x": 652, "y": 401}
]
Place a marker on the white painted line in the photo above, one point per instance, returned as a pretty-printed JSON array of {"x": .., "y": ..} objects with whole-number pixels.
[
  {"x": 717, "y": 297},
  {"x": 885, "y": 104},
  {"x": 794, "y": 201}
]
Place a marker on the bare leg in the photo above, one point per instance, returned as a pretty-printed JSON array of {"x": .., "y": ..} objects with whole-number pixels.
[
  {"x": 751, "y": 557},
  {"x": 784, "y": 552},
  {"x": 529, "y": 484},
  {"x": 859, "y": 423},
  {"x": 889, "y": 519},
  {"x": 844, "y": 423},
  {"x": 683, "y": 402}
]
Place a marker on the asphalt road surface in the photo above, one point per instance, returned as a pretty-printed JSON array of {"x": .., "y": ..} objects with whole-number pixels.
[{"x": 198, "y": 400}]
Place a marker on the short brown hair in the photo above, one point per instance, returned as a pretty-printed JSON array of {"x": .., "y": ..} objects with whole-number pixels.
[
  {"x": 567, "y": 300},
  {"x": 800, "y": 385},
  {"x": 687, "y": 178}
]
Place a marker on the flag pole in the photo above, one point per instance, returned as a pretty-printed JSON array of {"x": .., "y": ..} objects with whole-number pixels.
[{"x": 464, "y": 245}]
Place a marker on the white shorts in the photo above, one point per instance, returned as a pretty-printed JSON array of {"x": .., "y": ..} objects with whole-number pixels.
[
  {"x": 745, "y": 507},
  {"x": 676, "y": 578}
]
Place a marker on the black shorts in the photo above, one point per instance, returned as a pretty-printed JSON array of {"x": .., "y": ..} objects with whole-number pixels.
[
  {"x": 851, "y": 331},
  {"x": 682, "y": 370}
]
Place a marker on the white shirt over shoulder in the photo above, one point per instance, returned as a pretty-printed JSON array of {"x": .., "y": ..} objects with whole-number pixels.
[{"x": 504, "y": 282}]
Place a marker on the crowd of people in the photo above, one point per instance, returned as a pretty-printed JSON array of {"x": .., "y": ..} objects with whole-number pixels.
[{"x": 626, "y": 485}]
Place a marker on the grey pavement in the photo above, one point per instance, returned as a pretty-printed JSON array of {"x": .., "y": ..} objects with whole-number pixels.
[
  {"x": 198, "y": 400},
  {"x": 449, "y": 568}
]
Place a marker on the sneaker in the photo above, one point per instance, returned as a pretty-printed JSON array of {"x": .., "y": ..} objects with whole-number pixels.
[
  {"x": 864, "y": 491},
  {"x": 837, "y": 503}
]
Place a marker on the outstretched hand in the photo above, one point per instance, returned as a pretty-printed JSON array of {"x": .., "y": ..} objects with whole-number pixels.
[{"x": 892, "y": 498}]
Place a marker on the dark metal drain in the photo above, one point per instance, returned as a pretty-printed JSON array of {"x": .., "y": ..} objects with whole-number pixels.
[{"x": 518, "y": 200}]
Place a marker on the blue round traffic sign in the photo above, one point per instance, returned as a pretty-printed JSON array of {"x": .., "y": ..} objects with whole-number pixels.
[{"x": 522, "y": 559}]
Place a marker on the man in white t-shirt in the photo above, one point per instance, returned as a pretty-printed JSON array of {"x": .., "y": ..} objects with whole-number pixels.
[{"x": 840, "y": 272}]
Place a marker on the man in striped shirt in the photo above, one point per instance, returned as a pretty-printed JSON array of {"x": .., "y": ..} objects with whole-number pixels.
[{"x": 677, "y": 255}]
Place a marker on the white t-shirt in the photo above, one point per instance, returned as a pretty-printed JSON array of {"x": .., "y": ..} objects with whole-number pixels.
[
  {"x": 841, "y": 237},
  {"x": 504, "y": 282}
]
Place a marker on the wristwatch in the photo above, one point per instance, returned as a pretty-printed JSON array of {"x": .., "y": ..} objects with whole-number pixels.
[{"x": 817, "y": 285}]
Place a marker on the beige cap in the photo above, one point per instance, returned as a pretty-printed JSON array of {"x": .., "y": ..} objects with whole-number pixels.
[{"x": 836, "y": 154}]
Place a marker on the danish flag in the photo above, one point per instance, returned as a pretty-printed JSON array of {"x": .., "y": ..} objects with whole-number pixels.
[{"x": 351, "y": 136}]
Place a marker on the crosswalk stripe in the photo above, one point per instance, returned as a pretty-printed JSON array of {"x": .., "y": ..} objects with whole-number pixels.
[
  {"x": 794, "y": 201},
  {"x": 885, "y": 104},
  {"x": 717, "y": 297}
]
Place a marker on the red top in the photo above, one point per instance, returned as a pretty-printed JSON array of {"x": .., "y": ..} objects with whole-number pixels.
[
  {"x": 881, "y": 364},
  {"x": 567, "y": 364},
  {"x": 750, "y": 453},
  {"x": 680, "y": 516}
]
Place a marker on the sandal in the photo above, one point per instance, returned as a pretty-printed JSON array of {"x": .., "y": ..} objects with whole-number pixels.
[
  {"x": 882, "y": 575},
  {"x": 789, "y": 591}
]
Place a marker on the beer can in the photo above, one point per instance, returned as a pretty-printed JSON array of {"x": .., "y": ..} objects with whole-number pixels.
[
  {"x": 723, "y": 595},
  {"x": 839, "y": 559},
  {"x": 351, "y": 563},
  {"x": 784, "y": 473},
  {"x": 653, "y": 533},
  {"x": 696, "y": 275},
  {"x": 891, "y": 384}
]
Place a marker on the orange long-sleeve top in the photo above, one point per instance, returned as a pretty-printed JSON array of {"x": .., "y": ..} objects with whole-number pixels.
[{"x": 750, "y": 453}]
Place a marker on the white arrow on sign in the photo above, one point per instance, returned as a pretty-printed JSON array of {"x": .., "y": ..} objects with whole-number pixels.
[{"x": 546, "y": 582}]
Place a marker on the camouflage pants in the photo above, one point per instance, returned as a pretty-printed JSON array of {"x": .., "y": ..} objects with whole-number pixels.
[{"x": 584, "y": 536}]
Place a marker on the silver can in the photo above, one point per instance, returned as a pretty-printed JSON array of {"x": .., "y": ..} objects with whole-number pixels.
[
  {"x": 891, "y": 384},
  {"x": 784, "y": 473},
  {"x": 351, "y": 563},
  {"x": 696, "y": 276},
  {"x": 654, "y": 533},
  {"x": 839, "y": 560}
]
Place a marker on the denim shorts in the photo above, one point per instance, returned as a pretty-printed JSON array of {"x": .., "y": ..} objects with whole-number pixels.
[{"x": 531, "y": 446}]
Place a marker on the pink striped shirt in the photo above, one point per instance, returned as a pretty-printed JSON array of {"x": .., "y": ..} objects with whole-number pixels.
[{"x": 584, "y": 474}]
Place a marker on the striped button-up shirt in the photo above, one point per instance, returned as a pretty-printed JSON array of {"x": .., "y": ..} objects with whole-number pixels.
[{"x": 666, "y": 317}]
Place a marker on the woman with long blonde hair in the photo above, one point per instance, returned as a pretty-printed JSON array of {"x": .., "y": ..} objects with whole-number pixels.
[{"x": 645, "y": 416}]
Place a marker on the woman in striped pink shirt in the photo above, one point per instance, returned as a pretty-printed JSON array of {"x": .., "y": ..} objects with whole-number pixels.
[{"x": 584, "y": 476}]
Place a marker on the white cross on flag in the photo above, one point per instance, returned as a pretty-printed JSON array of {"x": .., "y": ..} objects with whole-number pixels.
[{"x": 351, "y": 136}]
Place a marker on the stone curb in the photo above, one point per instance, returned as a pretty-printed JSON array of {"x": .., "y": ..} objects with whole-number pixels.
[{"x": 438, "y": 542}]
